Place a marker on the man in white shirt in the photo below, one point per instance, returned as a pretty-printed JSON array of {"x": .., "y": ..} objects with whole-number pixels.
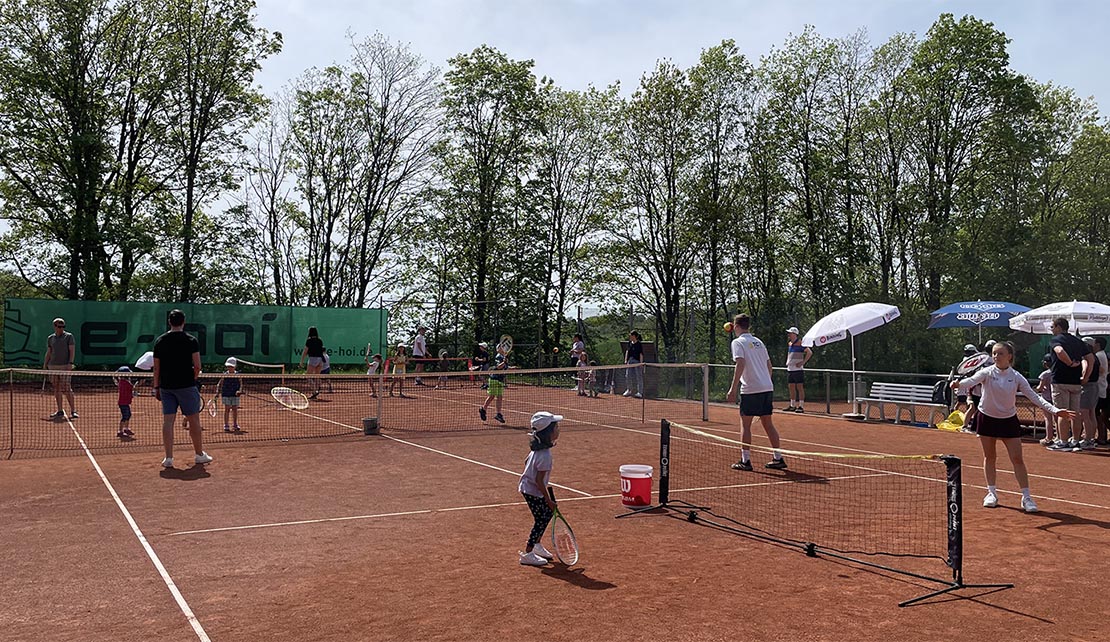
[
  {"x": 420, "y": 352},
  {"x": 752, "y": 378}
]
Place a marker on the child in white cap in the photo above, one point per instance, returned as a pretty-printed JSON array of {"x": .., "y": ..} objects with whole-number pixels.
[
  {"x": 534, "y": 482},
  {"x": 231, "y": 387}
]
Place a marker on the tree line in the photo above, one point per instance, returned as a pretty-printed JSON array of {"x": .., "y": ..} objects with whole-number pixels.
[{"x": 138, "y": 160}]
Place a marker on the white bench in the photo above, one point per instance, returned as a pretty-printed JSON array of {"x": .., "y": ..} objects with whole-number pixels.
[{"x": 903, "y": 396}]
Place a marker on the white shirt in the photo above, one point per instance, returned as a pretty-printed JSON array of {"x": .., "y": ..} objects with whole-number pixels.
[
  {"x": 1101, "y": 356},
  {"x": 578, "y": 348},
  {"x": 537, "y": 461},
  {"x": 419, "y": 346},
  {"x": 373, "y": 369},
  {"x": 1000, "y": 388},
  {"x": 756, "y": 376}
]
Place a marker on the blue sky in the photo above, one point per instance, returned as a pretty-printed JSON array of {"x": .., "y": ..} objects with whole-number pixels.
[{"x": 583, "y": 42}]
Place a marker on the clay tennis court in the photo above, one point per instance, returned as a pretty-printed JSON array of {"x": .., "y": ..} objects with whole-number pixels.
[{"x": 414, "y": 535}]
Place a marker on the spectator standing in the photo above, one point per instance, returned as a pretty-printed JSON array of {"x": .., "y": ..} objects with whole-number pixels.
[
  {"x": 577, "y": 349},
  {"x": 60, "y": 350},
  {"x": 1094, "y": 370},
  {"x": 634, "y": 356},
  {"x": 1044, "y": 387},
  {"x": 1068, "y": 354},
  {"x": 797, "y": 356},
  {"x": 420, "y": 352},
  {"x": 176, "y": 369},
  {"x": 314, "y": 351},
  {"x": 1102, "y": 410},
  {"x": 480, "y": 361}
]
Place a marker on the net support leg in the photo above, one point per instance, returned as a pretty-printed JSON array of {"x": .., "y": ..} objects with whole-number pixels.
[{"x": 955, "y": 587}]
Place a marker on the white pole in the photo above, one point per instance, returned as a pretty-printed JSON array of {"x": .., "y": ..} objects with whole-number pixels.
[{"x": 855, "y": 402}]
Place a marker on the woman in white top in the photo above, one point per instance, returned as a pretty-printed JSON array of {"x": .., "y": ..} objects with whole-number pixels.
[{"x": 999, "y": 420}]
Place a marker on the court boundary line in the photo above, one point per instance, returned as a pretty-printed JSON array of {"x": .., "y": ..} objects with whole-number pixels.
[{"x": 186, "y": 610}]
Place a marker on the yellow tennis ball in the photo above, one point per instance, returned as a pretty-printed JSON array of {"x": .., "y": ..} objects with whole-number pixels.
[
  {"x": 728, "y": 326},
  {"x": 556, "y": 349}
]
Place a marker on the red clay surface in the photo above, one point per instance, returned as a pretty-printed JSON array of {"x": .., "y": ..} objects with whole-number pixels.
[{"x": 420, "y": 535}]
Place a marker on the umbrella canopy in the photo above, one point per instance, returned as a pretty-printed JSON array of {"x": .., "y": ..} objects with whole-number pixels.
[
  {"x": 851, "y": 320},
  {"x": 975, "y": 313},
  {"x": 1084, "y": 317},
  {"x": 145, "y": 362}
]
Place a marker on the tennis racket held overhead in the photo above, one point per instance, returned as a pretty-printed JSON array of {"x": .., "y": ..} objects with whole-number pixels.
[
  {"x": 563, "y": 542},
  {"x": 289, "y": 398}
]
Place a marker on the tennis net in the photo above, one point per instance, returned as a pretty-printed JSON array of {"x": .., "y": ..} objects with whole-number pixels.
[
  {"x": 848, "y": 506},
  {"x": 445, "y": 401}
]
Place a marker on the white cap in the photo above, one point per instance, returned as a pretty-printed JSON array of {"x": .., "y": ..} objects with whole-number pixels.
[
  {"x": 483, "y": 344},
  {"x": 1089, "y": 340},
  {"x": 793, "y": 329},
  {"x": 231, "y": 361},
  {"x": 543, "y": 419}
]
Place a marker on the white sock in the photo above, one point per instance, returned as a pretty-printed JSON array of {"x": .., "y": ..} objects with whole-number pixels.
[
  {"x": 992, "y": 489},
  {"x": 801, "y": 403},
  {"x": 776, "y": 455},
  {"x": 745, "y": 455},
  {"x": 1025, "y": 493}
]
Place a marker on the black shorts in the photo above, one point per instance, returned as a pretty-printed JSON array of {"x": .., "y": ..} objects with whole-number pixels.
[
  {"x": 796, "y": 376},
  {"x": 988, "y": 426},
  {"x": 757, "y": 405}
]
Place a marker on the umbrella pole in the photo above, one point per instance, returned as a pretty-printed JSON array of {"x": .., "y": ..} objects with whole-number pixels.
[{"x": 852, "y": 385}]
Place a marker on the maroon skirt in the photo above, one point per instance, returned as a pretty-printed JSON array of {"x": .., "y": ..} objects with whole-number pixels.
[{"x": 988, "y": 426}]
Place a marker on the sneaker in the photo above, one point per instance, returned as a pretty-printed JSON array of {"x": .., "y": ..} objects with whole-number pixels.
[
  {"x": 777, "y": 464},
  {"x": 1075, "y": 445},
  {"x": 990, "y": 501},
  {"x": 61, "y": 414},
  {"x": 1047, "y": 441},
  {"x": 127, "y": 431},
  {"x": 498, "y": 417},
  {"x": 1087, "y": 444},
  {"x": 789, "y": 409},
  {"x": 799, "y": 410},
  {"x": 538, "y": 549},
  {"x": 1028, "y": 505},
  {"x": 742, "y": 465},
  {"x": 482, "y": 413},
  {"x": 627, "y": 393},
  {"x": 74, "y": 415},
  {"x": 531, "y": 559},
  {"x": 167, "y": 462},
  {"x": 638, "y": 396},
  {"x": 314, "y": 395},
  {"x": 227, "y": 428},
  {"x": 120, "y": 434},
  {"x": 202, "y": 458},
  {"x": 403, "y": 395},
  {"x": 1060, "y": 446},
  {"x": 236, "y": 428}
]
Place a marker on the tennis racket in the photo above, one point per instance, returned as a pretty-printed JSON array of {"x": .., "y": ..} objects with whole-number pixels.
[
  {"x": 212, "y": 403},
  {"x": 563, "y": 543},
  {"x": 505, "y": 346},
  {"x": 289, "y": 398}
]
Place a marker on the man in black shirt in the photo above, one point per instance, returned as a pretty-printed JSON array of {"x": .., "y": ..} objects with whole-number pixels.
[
  {"x": 633, "y": 357},
  {"x": 176, "y": 368},
  {"x": 1067, "y": 356}
]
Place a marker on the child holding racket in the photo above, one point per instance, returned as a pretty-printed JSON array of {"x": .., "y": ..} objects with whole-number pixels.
[
  {"x": 373, "y": 365},
  {"x": 400, "y": 359},
  {"x": 496, "y": 388},
  {"x": 534, "y": 484},
  {"x": 231, "y": 387}
]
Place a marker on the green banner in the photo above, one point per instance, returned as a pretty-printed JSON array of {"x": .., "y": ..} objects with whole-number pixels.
[{"x": 118, "y": 333}]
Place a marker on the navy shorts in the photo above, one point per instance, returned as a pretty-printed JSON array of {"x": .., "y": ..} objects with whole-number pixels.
[
  {"x": 187, "y": 399},
  {"x": 124, "y": 412},
  {"x": 796, "y": 376},
  {"x": 757, "y": 405}
]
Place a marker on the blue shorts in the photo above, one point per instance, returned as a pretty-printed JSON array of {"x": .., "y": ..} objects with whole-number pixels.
[
  {"x": 230, "y": 402},
  {"x": 124, "y": 412},
  {"x": 187, "y": 399}
]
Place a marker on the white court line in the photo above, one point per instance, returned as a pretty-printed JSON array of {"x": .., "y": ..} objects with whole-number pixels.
[{"x": 180, "y": 599}]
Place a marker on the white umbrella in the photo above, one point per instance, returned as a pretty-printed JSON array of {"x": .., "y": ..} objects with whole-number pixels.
[
  {"x": 145, "y": 362},
  {"x": 1084, "y": 317},
  {"x": 848, "y": 322}
]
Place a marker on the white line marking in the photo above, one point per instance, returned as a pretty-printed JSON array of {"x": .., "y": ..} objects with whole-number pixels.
[{"x": 180, "y": 599}]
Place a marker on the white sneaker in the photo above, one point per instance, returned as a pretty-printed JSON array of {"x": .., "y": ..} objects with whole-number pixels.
[
  {"x": 531, "y": 559},
  {"x": 1028, "y": 505},
  {"x": 538, "y": 549},
  {"x": 202, "y": 458},
  {"x": 167, "y": 462},
  {"x": 990, "y": 501},
  {"x": 627, "y": 393},
  {"x": 638, "y": 396}
]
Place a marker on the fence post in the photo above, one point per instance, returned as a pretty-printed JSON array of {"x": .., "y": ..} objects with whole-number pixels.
[
  {"x": 705, "y": 392},
  {"x": 828, "y": 394}
]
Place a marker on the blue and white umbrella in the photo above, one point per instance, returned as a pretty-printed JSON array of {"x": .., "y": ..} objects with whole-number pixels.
[{"x": 976, "y": 313}]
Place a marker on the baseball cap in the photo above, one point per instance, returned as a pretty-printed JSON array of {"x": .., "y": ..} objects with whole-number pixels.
[
  {"x": 231, "y": 361},
  {"x": 543, "y": 419},
  {"x": 793, "y": 329},
  {"x": 1089, "y": 340},
  {"x": 969, "y": 348},
  {"x": 123, "y": 369},
  {"x": 989, "y": 344},
  {"x": 483, "y": 344}
]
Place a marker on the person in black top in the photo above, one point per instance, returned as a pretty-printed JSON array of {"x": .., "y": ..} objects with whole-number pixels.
[
  {"x": 633, "y": 356},
  {"x": 480, "y": 361},
  {"x": 176, "y": 368},
  {"x": 314, "y": 350},
  {"x": 1067, "y": 353}
]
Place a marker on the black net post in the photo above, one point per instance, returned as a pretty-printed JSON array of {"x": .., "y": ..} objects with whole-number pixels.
[
  {"x": 664, "y": 461},
  {"x": 955, "y": 506}
]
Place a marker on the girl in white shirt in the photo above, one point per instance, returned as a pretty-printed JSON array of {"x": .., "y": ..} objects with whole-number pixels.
[
  {"x": 999, "y": 420},
  {"x": 534, "y": 485}
]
